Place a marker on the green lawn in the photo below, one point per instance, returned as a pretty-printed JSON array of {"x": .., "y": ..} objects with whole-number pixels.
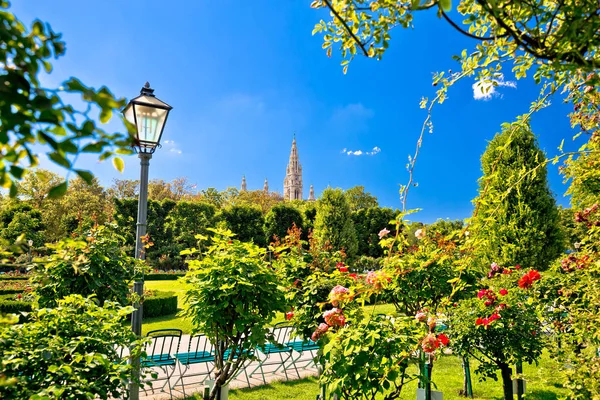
[
  {"x": 173, "y": 321},
  {"x": 543, "y": 383}
]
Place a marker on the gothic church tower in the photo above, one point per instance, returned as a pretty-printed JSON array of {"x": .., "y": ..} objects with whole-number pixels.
[{"x": 292, "y": 184}]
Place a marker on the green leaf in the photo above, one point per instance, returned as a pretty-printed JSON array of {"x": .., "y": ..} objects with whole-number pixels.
[
  {"x": 119, "y": 164},
  {"x": 446, "y": 5},
  {"x": 58, "y": 190},
  {"x": 59, "y": 159},
  {"x": 87, "y": 176},
  {"x": 93, "y": 147},
  {"x": 105, "y": 115}
]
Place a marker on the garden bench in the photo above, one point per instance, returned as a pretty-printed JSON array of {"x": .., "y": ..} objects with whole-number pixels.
[{"x": 165, "y": 342}]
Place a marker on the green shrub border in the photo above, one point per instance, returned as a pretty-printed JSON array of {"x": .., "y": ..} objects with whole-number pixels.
[
  {"x": 10, "y": 306},
  {"x": 13, "y": 278},
  {"x": 163, "y": 276},
  {"x": 162, "y": 303},
  {"x": 10, "y": 291}
]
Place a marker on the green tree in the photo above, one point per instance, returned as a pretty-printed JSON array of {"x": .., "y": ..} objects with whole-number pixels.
[
  {"x": 544, "y": 32},
  {"x": 124, "y": 189},
  {"x": 246, "y": 222},
  {"x": 516, "y": 220},
  {"x": 232, "y": 296},
  {"x": 358, "y": 199},
  {"x": 22, "y": 219},
  {"x": 333, "y": 223},
  {"x": 36, "y": 185},
  {"x": 42, "y": 117},
  {"x": 368, "y": 222},
  {"x": 281, "y": 218}
]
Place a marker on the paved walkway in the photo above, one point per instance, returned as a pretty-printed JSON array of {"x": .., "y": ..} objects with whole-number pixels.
[{"x": 193, "y": 385}]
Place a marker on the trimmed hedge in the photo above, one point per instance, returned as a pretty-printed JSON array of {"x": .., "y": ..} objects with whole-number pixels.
[
  {"x": 11, "y": 306},
  {"x": 4, "y": 277},
  {"x": 10, "y": 291},
  {"x": 161, "y": 303},
  {"x": 163, "y": 276}
]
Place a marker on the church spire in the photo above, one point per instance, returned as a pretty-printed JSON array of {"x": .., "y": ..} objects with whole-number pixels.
[
  {"x": 292, "y": 184},
  {"x": 266, "y": 186},
  {"x": 311, "y": 194},
  {"x": 244, "y": 183}
]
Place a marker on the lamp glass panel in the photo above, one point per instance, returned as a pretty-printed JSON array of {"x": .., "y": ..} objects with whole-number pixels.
[{"x": 150, "y": 122}]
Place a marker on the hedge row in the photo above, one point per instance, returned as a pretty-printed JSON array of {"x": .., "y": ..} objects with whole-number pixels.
[
  {"x": 9, "y": 305},
  {"x": 10, "y": 291},
  {"x": 163, "y": 276},
  {"x": 161, "y": 303},
  {"x": 4, "y": 277}
]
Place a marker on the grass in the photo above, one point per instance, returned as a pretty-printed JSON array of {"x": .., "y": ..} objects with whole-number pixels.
[
  {"x": 174, "y": 321},
  {"x": 543, "y": 383}
]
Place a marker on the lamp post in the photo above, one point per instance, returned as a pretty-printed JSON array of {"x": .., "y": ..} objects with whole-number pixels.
[{"x": 149, "y": 116}]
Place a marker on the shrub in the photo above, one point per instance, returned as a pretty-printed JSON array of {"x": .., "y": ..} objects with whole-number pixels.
[
  {"x": 164, "y": 276},
  {"x": 281, "y": 218},
  {"x": 232, "y": 294},
  {"x": 69, "y": 352},
  {"x": 500, "y": 327},
  {"x": 13, "y": 286},
  {"x": 94, "y": 264},
  {"x": 10, "y": 305},
  {"x": 159, "y": 304}
]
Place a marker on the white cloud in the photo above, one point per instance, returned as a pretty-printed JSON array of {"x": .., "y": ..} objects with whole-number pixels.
[
  {"x": 172, "y": 147},
  {"x": 373, "y": 152},
  {"x": 486, "y": 89}
]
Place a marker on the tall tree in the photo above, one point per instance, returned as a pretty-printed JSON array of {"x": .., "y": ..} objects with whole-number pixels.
[
  {"x": 246, "y": 222},
  {"x": 124, "y": 189},
  {"x": 333, "y": 223},
  {"x": 36, "y": 184},
  {"x": 281, "y": 218},
  {"x": 358, "y": 199},
  {"x": 516, "y": 220},
  {"x": 368, "y": 222}
]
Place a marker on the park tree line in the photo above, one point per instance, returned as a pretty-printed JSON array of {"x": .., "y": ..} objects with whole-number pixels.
[{"x": 177, "y": 213}]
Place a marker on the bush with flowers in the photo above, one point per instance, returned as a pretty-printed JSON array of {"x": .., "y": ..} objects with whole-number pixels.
[
  {"x": 500, "y": 326},
  {"x": 572, "y": 310},
  {"x": 422, "y": 274}
]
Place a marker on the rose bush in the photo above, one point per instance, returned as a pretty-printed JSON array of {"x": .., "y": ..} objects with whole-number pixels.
[{"x": 500, "y": 326}]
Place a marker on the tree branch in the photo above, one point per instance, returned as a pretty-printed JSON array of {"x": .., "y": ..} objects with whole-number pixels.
[
  {"x": 354, "y": 37},
  {"x": 466, "y": 33}
]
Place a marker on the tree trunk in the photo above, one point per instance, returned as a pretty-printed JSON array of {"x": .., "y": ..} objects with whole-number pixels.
[{"x": 507, "y": 381}]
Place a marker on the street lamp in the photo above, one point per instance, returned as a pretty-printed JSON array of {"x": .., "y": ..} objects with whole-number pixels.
[{"x": 149, "y": 116}]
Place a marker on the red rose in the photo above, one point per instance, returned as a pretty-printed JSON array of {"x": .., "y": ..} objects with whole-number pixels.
[
  {"x": 479, "y": 321},
  {"x": 517, "y": 266},
  {"x": 503, "y": 292},
  {"x": 443, "y": 339},
  {"x": 289, "y": 315},
  {"x": 353, "y": 276},
  {"x": 481, "y": 293},
  {"x": 343, "y": 269}
]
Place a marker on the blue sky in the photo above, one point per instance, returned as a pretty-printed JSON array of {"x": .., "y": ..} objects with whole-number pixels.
[{"x": 244, "y": 76}]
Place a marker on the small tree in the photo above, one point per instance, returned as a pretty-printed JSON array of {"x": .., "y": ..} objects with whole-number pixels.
[
  {"x": 516, "y": 219},
  {"x": 334, "y": 224},
  {"x": 500, "y": 327},
  {"x": 232, "y": 294},
  {"x": 69, "y": 352},
  {"x": 280, "y": 219}
]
